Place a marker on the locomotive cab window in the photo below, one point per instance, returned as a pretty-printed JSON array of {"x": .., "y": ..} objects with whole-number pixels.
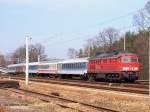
[
  {"x": 134, "y": 60},
  {"x": 126, "y": 59}
]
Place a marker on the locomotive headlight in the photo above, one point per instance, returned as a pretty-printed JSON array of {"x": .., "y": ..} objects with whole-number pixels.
[
  {"x": 125, "y": 68},
  {"x": 135, "y": 68}
]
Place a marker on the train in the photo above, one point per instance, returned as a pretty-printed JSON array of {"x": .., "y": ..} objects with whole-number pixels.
[{"x": 110, "y": 67}]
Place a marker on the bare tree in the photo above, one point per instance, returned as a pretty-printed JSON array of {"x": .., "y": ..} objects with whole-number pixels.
[
  {"x": 88, "y": 49},
  {"x": 35, "y": 51},
  {"x": 81, "y": 53},
  {"x": 72, "y": 53},
  {"x": 106, "y": 38},
  {"x": 2, "y": 60},
  {"x": 142, "y": 18}
]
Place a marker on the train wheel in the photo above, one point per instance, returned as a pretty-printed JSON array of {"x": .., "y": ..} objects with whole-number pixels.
[
  {"x": 83, "y": 77},
  {"x": 56, "y": 76},
  {"x": 131, "y": 80}
]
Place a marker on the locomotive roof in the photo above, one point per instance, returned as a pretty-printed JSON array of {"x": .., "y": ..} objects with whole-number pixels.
[{"x": 109, "y": 55}]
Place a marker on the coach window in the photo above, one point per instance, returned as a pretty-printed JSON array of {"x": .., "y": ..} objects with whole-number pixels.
[
  {"x": 79, "y": 65},
  {"x": 61, "y": 66},
  {"x": 64, "y": 66},
  {"x": 84, "y": 65},
  {"x": 72, "y": 65},
  {"x": 76, "y": 65},
  {"x": 68, "y": 66}
]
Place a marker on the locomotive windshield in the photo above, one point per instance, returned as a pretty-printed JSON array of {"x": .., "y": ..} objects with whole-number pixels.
[
  {"x": 129, "y": 59},
  {"x": 134, "y": 60},
  {"x": 126, "y": 59}
]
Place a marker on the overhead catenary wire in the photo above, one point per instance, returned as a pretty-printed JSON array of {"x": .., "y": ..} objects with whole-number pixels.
[
  {"x": 79, "y": 38},
  {"x": 46, "y": 42}
]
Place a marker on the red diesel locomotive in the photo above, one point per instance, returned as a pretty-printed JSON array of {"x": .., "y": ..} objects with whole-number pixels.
[{"x": 123, "y": 66}]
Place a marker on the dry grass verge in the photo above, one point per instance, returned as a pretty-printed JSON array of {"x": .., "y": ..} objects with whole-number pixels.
[
  {"x": 3, "y": 109},
  {"x": 118, "y": 102}
]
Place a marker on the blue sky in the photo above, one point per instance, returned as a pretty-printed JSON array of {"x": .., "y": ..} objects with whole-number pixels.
[{"x": 60, "y": 24}]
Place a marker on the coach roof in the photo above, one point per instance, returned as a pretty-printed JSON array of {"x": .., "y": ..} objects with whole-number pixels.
[{"x": 75, "y": 60}]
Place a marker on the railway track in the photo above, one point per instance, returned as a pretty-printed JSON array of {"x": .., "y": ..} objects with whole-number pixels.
[
  {"x": 139, "y": 84},
  {"x": 131, "y": 88},
  {"x": 62, "y": 101},
  {"x": 134, "y": 85},
  {"x": 143, "y": 82}
]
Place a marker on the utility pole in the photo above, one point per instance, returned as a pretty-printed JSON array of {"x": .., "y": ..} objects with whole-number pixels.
[
  {"x": 89, "y": 51},
  {"x": 149, "y": 64},
  {"x": 27, "y": 60},
  {"x": 124, "y": 42}
]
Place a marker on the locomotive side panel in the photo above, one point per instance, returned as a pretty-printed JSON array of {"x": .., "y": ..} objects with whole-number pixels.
[
  {"x": 109, "y": 65},
  {"x": 122, "y": 67}
]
